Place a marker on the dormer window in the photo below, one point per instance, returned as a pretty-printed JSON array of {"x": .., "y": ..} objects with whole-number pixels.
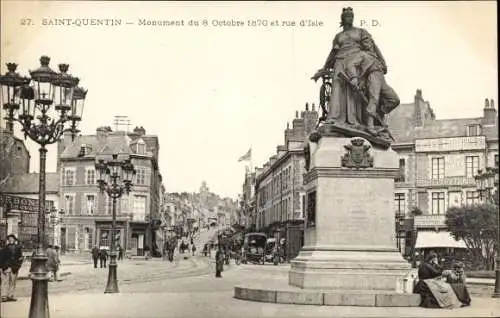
[
  {"x": 139, "y": 147},
  {"x": 473, "y": 130},
  {"x": 85, "y": 150}
]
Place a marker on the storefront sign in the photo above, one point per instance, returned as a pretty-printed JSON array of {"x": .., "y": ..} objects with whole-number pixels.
[
  {"x": 22, "y": 204},
  {"x": 450, "y": 144}
]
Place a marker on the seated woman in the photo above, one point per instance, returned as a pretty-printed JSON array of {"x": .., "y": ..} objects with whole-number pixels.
[
  {"x": 435, "y": 293},
  {"x": 457, "y": 281}
]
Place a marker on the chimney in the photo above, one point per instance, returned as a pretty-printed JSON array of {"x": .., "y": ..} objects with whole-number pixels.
[
  {"x": 311, "y": 117},
  {"x": 419, "y": 107},
  {"x": 140, "y": 131},
  {"x": 489, "y": 113},
  {"x": 102, "y": 133}
]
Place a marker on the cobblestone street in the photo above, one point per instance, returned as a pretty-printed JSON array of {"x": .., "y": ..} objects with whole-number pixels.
[
  {"x": 87, "y": 278},
  {"x": 188, "y": 288}
]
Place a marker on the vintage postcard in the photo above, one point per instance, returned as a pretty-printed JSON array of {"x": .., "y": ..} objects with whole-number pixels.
[{"x": 249, "y": 159}]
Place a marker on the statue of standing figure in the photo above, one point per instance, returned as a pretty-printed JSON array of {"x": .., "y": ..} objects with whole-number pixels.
[{"x": 355, "y": 97}]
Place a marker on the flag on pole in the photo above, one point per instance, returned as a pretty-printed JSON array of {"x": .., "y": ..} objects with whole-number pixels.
[{"x": 247, "y": 156}]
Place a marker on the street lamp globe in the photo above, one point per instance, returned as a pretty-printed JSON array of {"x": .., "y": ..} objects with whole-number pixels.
[
  {"x": 43, "y": 85},
  {"x": 11, "y": 83}
]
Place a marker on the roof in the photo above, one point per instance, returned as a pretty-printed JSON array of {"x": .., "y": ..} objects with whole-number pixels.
[
  {"x": 399, "y": 120},
  {"x": 401, "y": 125},
  {"x": 28, "y": 183},
  {"x": 114, "y": 142}
]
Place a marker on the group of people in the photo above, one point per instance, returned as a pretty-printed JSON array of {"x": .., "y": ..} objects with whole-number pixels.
[
  {"x": 439, "y": 287},
  {"x": 101, "y": 255}
]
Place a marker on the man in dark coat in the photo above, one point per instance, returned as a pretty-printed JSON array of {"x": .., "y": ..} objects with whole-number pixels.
[
  {"x": 103, "y": 257},
  {"x": 95, "y": 255},
  {"x": 219, "y": 262},
  {"x": 13, "y": 265}
]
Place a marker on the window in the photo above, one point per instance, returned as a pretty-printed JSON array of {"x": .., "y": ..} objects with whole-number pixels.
[
  {"x": 400, "y": 204},
  {"x": 471, "y": 166},
  {"x": 471, "y": 197},
  {"x": 85, "y": 150},
  {"x": 438, "y": 203},
  {"x": 140, "y": 147},
  {"x": 139, "y": 207},
  {"x": 473, "y": 130},
  {"x": 140, "y": 177},
  {"x": 69, "y": 203},
  {"x": 90, "y": 204},
  {"x": 69, "y": 176},
  {"x": 90, "y": 176},
  {"x": 402, "y": 171},
  {"x": 437, "y": 168}
]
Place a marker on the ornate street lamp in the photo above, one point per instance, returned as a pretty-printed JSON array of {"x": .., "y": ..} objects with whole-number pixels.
[
  {"x": 31, "y": 106},
  {"x": 114, "y": 178},
  {"x": 487, "y": 184}
]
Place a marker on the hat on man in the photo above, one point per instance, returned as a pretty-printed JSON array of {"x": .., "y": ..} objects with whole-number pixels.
[{"x": 12, "y": 235}]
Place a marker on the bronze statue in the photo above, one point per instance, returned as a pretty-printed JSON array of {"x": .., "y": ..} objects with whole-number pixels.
[{"x": 354, "y": 96}]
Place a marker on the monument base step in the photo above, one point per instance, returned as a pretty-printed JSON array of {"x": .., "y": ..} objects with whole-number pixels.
[{"x": 297, "y": 296}]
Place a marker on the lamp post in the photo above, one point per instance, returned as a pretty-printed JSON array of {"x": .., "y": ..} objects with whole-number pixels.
[
  {"x": 114, "y": 179},
  {"x": 487, "y": 184},
  {"x": 53, "y": 223},
  {"x": 31, "y": 106}
]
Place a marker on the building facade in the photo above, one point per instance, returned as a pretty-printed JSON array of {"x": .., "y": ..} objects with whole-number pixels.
[
  {"x": 279, "y": 186},
  {"x": 87, "y": 217},
  {"x": 19, "y": 194},
  {"x": 438, "y": 160}
]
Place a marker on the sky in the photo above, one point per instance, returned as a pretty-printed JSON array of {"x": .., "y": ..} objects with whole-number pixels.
[{"x": 211, "y": 92}]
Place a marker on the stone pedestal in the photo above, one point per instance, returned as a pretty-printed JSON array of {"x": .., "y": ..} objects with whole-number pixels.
[{"x": 352, "y": 245}]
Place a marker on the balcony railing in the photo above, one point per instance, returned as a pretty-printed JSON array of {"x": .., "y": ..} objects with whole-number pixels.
[
  {"x": 430, "y": 221},
  {"x": 447, "y": 181}
]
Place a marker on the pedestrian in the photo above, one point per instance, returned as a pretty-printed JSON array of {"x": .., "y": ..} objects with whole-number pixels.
[
  {"x": 120, "y": 252},
  {"x": 103, "y": 257},
  {"x": 5, "y": 256},
  {"x": 12, "y": 266},
  {"x": 95, "y": 255},
  {"x": 193, "y": 249},
  {"x": 53, "y": 262},
  {"x": 219, "y": 262}
]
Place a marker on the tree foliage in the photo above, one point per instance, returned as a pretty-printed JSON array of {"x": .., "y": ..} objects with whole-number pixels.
[{"x": 476, "y": 225}]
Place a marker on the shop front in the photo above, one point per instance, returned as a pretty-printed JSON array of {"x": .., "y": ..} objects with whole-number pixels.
[
  {"x": 138, "y": 238},
  {"x": 104, "y": 234}
]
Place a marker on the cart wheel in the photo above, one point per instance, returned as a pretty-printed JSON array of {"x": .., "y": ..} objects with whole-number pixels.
[{"x": 237, "y": 261}]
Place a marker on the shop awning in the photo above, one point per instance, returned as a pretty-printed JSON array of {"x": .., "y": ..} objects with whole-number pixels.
[{"x": 432, "y": 239}]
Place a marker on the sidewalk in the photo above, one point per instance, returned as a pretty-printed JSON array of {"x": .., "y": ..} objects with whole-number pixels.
[{"x": 221, "y": 304}]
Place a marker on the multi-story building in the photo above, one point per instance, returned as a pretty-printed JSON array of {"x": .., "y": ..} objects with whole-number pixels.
[
  {"x": 247, "y": 207},
  {"x": 438, "y": 162},
  {"x": 19, "y": 191},
  {"x": 279, "y": 185},
  {"x": 87, "y": 218}
]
